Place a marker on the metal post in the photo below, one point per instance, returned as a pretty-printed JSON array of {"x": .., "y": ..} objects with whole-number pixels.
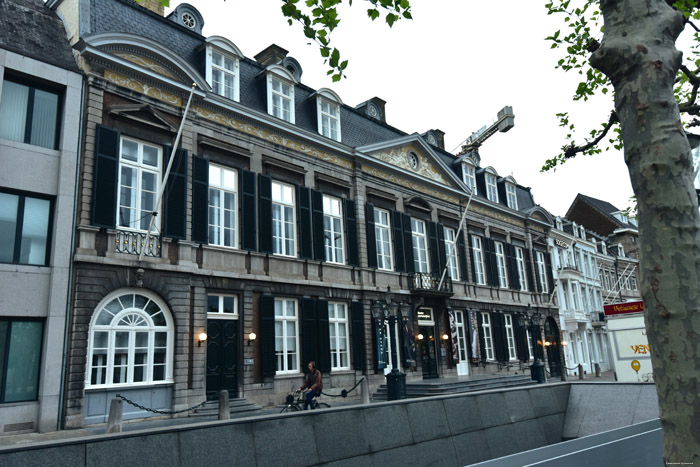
[
  {"x": 597, "y": 370},
  {"x": 580, "y": 371},
  {"x": 224, "y": 407},
  {"x": 364, "y": 387}
]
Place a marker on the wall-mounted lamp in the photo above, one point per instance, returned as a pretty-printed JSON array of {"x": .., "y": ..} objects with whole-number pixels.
[
  {"x": 564, "y": 343},
  {"x": 251, "y": 337},
  {"x": 445, "y": 336},
  {"x": 547, "y": 343},
  {"x": 202, "y": 338},
  {"x": 420, "y": 337}
]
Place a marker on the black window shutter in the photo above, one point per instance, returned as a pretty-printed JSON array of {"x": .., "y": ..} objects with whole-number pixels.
[
  {"x": 534, "y": 287},
  {"x": 200, "y": 199},
  {"x": 521, "y": 344},
  {"x": 249, "y": 230},
  {"x": 550, "y": 278},
  {"x": 481, "y": 184},
  {"x": 175, "y": 195},
  {"x": 323, "y": 333},
  {"x": 471, "y": 256},
  {"x": 490, "y": 260},
  {"x": 351, "y": 233},
  {"x": 501, "y": 187},
  {"x": 267, "y": 339},
  {"x": 371, "y": 236},
  {"x": 513, "y": 280},
  {"x": 358, "y": 336},
  {"x": 265, "y": 213},
  {"x": 482, "y": 341},
  {"x": 305, "y": 234},
  {"x": 462, "y": 251},
  {"x": 442, "y": 250},
  {"x": 104, "y": 189},
  {"x": 308, "y": 331},
  {"x": 500, "y": 342},
  {"x": 399, "y": 253},
  {"x": 434, "y": 248},
  {"x": 319, "y": 243},
  {"x": 408, "y": 243}
]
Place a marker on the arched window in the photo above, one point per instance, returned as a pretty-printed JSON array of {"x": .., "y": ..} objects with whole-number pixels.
[{"x": 131, "y": 341}]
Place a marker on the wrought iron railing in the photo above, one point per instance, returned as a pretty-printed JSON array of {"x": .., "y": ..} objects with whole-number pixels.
[
  {"x": 133, "y": 242},
  {"x": 421, "y": 281}
]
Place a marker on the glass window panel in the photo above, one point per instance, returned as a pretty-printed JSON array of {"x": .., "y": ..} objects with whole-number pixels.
[
  {"x": 228, "y": 305},
  {"x": 212, "y": 303},
  {"x": 44, "y": 119},
  {"x": 100, "y": 340},
  {"x": 150, "y": 155},
  {"x": 158, "y": 372},
  {"x": 161, "y": 339},
  {"x": 23, "y": 359},
  {"x": 8, "y": 225},
  {"x": 130, "y": 150},
  {"x": 122, "y": 340},
  {"x": 141, "y": 339},
  {"x": 13, "y": 111}
]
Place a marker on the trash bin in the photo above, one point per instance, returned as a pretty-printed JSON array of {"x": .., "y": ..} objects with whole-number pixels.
[
  {"x": 395, "y": 385},
  {"x": 537, "y": 372}
]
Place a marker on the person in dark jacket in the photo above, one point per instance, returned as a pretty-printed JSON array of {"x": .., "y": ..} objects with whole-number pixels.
[{"x": 313, "y": 385}]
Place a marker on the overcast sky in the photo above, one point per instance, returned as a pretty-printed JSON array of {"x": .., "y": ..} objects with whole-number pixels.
[{"x": 452, "y": 68}]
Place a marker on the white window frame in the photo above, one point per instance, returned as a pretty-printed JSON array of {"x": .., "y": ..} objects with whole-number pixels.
[
  {"x": 283, "y": 352},
  {"x": 339, "y": 336},
  {"x": 491, "y": 187},
  {"x": 233, "y": 72},
  {"x": 462, "y": 341},
  {"x": 576, "y": 305},
  {"x": 530, "y": 347},
  {"x": 451, "y": 253},
  {"x": 227, "y": 184},
  {"x": 382, "y": 234},
  {"x": 276, "y": 98},
  {"x": 488, "y": 335},
  {"x": 469, "y": 176},
  {"x": 542, "y": 271},
  {"x": 287, "y": 217},
  {"x": 511, "y": 196},
  {"x": 478, "y": 252},
  {"x": 142, "y": 215},
  {"x": 421, "y": 262},
  {"x": 520, "y": 263},
  {"x": 220, "y": 308},
  {"x": 510, "y": 337},
  {"x": 633, "y": 281},
  {"x": 501, "y": 265},
  {"x": 333, "y": 236},
  {"x": 565, "y": 295},
  {"x": 328, "y": 123}
]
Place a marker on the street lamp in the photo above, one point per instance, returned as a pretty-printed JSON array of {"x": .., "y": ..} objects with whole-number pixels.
[
  {"x": 388, "y": 311},
  {"x": 532, "y": 322}
]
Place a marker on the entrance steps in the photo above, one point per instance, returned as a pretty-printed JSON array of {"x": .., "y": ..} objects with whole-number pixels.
[
  {"x": 457, "y": 385},
  {"x": 237, "y": 405}
]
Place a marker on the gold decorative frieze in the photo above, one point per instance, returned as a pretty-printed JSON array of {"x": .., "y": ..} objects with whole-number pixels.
[
  {"x": 496, "y": 215},
  {"x": 271, "y": 137},
  {"x": 414, "y": 186},
  {"x": 399, "y": 158},
  {"x": 143, "y": 88},
  {"x": 146, "y": 63}
]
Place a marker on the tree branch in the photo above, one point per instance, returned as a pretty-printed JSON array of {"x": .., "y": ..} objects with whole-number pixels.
[{"x": 572, "y": 150}]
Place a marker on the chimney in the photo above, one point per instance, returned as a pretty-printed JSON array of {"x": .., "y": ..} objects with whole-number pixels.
[
  {"x": 271, "y": 55},
  {"x": 153, "y": 5}
]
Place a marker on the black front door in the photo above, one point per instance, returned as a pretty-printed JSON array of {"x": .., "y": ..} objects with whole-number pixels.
[
  {"x": 428, "y": 352},
  {"x": 222, "y": 357},
  {"x": 552, "y": 343}
]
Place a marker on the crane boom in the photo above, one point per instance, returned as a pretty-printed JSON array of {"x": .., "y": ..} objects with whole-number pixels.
[{"x": 504, "y": 122}]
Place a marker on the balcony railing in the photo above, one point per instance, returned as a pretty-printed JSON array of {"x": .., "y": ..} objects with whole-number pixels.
[
  {"x": 424, "y": 282},
  {"x": 133, "y": 242}
]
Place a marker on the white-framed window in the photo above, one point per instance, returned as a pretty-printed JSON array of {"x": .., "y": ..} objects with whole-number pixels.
[
  {"x": 542, "y": 270},
  {"x": 575, "y": 304},
  {"x": 382, "y": 233},
  {"x": 564, "y": 295},
  {"x": 520, "y": 264},
  {"x": 139, "y": 181},
  {"x": 478, "y": 253},
  {"x": 286, "y": 336},
  {"x": 469, "y": 176},
  {"x": 530, "y": 347},
  {"x": 585, "y": 305},
  {"x": 620, "y": 250},
  {"x": 461, "y": 336},
  {"x": 488, "y": 337},
  {"x": 510, "y": 337},
  {"x": 283, "y": 220},
  {"x": 420, "y": 246},
  {"x": 328, "y": 118},
  {"x": 633, "y": 282},
  {"x": 333, "y": 240},
  {"x": 511, "y": 196},
  {"x": 130, "y": 341},
  {"x": 224, "y": 75},
  {"x": 222, "y": 306},
  {"x": 223, "y": 203},
  {"x": 501, "y": 265},
  {"x": 451, "y": 253},
  {"x": 491, "y": 187},
  {"x": 338, "y": 331},
  {"x": 280, "y": 98},
  {"x": 627, "y": 282}
]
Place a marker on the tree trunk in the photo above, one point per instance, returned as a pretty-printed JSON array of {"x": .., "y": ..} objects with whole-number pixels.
[{"x": 639, "y": 56}]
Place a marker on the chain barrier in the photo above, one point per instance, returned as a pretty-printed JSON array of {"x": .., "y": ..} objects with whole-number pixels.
[
  {"x": 162, "y": 412},
  {"x": 344, "y": 392}
]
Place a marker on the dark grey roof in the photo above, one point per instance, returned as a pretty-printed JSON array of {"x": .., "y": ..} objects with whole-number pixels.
[
  {"x": 608, "y": 209},
  {"x": 29, "y": 28}
]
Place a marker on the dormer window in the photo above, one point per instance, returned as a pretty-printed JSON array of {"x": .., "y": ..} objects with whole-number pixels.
[
  {"x": 620, "y": 250},
  {"x": 574, "y": 227},
  {"x": 223, "y": 67},
  {"x": 491, "y": 187},
  {"x": 558, "y": 221},
  {"x": 511, "y": 195},
  {"x": 328, "y": 111},
  {"x": 280, "y": 92},
  {"x": 469, "y": 176},
  {"x": 583, "y": 232}
]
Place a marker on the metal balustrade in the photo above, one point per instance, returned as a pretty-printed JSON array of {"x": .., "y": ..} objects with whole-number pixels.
[
  {"x": 424, "y": 282},
  {"x": 133, "y": 242}
]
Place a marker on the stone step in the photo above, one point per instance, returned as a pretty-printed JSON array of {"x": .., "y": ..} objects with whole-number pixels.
[
  {"x": 414, "y": 390},
  {"x": 237, "y": 405}
]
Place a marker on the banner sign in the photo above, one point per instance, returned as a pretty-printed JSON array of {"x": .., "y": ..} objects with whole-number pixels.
[
  {"x": 381, "y": 344},
  {"x": 453, "y": 332},
  {"x": 474, "y": 334},
  {"x": 623, "y": 308},
  {"x": 409, "y": 343}
]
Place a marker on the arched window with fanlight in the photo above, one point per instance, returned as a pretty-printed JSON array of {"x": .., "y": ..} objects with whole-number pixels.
[{"x": 131, "y": 341}]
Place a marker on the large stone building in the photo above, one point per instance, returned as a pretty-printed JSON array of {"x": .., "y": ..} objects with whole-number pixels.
[
  {"x": 40, "y": 95},
  {"x": 292, "y": 227}
]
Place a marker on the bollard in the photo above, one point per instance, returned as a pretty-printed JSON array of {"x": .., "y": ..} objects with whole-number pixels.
[
  {"x": 580, "y": 371},
  {"x": 224, "y": 407},
  {"x": 114, "y": 422},
  {"x": 597, "y": 370},
  {"x": 563, "y": 374},
  {"x": 364, "y": 388}
]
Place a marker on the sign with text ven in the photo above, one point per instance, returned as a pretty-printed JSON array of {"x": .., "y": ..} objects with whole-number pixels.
[{"x": 623, "y": 308}]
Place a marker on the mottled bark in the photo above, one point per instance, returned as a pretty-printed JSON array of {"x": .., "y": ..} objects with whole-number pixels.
[{"x": 639, "y": 56}]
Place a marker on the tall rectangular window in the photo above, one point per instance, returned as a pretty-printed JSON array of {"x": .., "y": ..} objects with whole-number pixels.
[
  {"x": 633, "y": 282},
  {"x": 501, "y": 265},
  {"x": 223, "y": 221},
  {"x": 575, "y": 304},
  {"x": 286, "y": 336},
  {"x": 333, "y": 230},
  {"x": 451, "y": 253},
  {"x": 491, "y": 188},
  {"x": 338, "y": 332},
  {"x": 510, "y": 337},
  {"x": 20, "y": 359},
  {"x": 511, "y": 196},
  {"x": 564, "y": 295},
  {"x": 420, "y": 246},
  {"x": 488, "y": 337},
  {"x": 530, "y": 347},
  {"x": 283, "y": 221},
  {"x": 520, "y": 263},
  {"x": 542, "y": 270},
  {"x": 329, "y": 124},
  {"x": 382, "y": 232},
  {"x": 25, "y": 224},
  {"x": 478, "y": 253},
  {"x": 282, "y": 100},
  {"x": 469, "y": 177},
  {"x": 29, "y": 114},
  {"x": 224, "y": 75},
  {"x": 139, "y": 181}
]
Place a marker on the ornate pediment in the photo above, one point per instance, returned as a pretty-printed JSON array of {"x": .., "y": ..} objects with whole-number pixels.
[{"x": 143, "y": 114}]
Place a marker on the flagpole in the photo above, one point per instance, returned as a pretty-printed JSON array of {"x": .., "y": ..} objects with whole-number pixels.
[{"x": 453, "y": 246}]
